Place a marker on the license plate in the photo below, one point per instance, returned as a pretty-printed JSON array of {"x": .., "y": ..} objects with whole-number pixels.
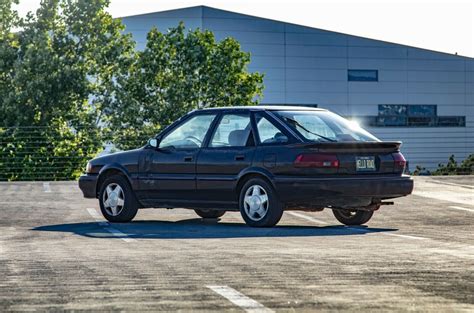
[{"x": 365, "y": 164}]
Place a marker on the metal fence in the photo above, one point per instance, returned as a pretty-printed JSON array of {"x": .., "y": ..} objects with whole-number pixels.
[
  {"x": 50, "y": 153},
  {"x": 61, "y": 153}
]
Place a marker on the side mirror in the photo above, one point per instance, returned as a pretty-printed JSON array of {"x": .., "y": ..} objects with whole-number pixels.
[{"x": 152, "y": 142}]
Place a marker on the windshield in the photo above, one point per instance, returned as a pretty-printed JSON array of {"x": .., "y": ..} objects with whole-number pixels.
[{"x": 323, "y": 126}]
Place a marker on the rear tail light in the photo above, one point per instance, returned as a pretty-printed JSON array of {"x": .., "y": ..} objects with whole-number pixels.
[
  {"x": 317, "y": 160},
  {"x": 399, "y": 161}
]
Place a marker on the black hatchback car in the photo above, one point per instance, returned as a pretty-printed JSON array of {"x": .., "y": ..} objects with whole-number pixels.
[{"x": 258, "y": 160}]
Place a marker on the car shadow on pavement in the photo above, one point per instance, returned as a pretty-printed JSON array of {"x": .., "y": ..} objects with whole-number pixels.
[{"x": 198, "y": 228}]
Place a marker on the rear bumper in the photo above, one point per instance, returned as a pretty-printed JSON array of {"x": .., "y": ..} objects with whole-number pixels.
[
  {"x": 339, "y": 190},
  {"x": 88, "y": 185}
]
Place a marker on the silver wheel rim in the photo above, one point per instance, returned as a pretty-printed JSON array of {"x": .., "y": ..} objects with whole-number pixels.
[
  {"x": 256, "y": 202},
  {"x": 113, "y": 199}
]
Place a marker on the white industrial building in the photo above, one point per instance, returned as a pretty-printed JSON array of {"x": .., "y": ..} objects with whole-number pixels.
[{"x": 421, "y": 97}]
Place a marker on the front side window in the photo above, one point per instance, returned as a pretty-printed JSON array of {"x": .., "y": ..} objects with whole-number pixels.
[
  {"x": 234, "y": 130},
  {"x": 190, "y": 134},
  {"x": 323, "y": 126},
  {"x": 267, "y": 132}
]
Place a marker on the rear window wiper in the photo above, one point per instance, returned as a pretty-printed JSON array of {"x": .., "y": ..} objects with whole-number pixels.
[{"x": 307, "y": 130}]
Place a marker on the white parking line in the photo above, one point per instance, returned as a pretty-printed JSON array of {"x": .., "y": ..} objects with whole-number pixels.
[
  {"x": 451, "y": 184},
  {"x": 46, "y": 187},
  {"x": 405, "y": 236},
  {"x": 365, "y": 230},
  {"x": 458, "y": 196},
  {"x": 461, "y": 208},
  {"x": 94, "y": 213},
  {"x": 309, "y": 218},
  {"x": 239, "y": 299},
  {"x": 107, "y": 226}
]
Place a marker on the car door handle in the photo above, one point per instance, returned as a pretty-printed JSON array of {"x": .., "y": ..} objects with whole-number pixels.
[
  {"x": 188, "y": 159},
  {"x": 240, "y": 157}
]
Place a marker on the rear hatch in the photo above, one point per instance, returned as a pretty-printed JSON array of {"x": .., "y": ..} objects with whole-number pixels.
[{"x": 353, "y": 158}]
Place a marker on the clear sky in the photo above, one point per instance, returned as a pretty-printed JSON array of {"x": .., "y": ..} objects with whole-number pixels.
[{"x": 446, "y": 26}]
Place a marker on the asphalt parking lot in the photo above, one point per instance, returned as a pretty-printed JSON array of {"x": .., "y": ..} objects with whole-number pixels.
[{"x": 58, "y": 253}]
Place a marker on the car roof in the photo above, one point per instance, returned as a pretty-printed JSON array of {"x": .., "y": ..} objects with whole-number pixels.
[{"x": 266, "y": 108}]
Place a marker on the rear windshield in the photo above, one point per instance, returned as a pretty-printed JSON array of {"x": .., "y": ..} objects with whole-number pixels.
[{"x": 323, "y": 126}]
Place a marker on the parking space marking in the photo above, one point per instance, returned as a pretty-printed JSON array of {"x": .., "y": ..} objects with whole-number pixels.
[
  {"x": 462, "y": 197},
  {"x": 94, "y": 213},
  {"x": 461, "y": 208},
  {"x": 46, "y": 187},
  {"x": 239, "y": 299},
  {"x": 309, "y": 218},
  {"x": 107, "y": 226},
  {"x": 365, "y": 230},
  {"x": 405, "y": 236},
  {"x": 451, "y": 184}
]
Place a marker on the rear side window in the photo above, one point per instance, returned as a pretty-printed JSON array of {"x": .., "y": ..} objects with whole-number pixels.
[
  {"x": 268, "y": 133},
  {"x": 234, "y": 130}
]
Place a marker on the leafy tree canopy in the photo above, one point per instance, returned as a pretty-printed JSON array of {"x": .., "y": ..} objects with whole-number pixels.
[
  {"x": 56, "y": 69},
  {"x": 62, "y": 62},
  {"x": 177, "y": 72},
  {"x": 70, "y": 79}
]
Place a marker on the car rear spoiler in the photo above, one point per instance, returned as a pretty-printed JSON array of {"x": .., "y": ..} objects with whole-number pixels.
[{"x": 341, "y": 147}]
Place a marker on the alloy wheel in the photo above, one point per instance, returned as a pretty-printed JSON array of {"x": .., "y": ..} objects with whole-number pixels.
[
  {"x": 256, "y": 202},
  {"x": 113, "y": 199}
]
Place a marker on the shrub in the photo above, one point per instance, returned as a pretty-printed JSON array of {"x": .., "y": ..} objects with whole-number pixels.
[{"x": 454, "y": 168}]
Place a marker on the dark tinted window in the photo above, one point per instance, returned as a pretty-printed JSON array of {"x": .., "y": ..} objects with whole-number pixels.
[
  {"x": 421, "y": 121},
  {"x": 406, "y": 115},
  {"x": 392, "y": 120},
  {"x": 421, "y": 110},
  {"x": 410, "y": 115},
  {"x": 362, "y": 75},
  {"x": 392, "y": 110},
  {"x": 452, "y": 121}
]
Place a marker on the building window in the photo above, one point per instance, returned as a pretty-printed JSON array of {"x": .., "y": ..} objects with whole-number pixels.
[
  {"x": 451, "y": 121},
  {"x": 393, "y": 115},
  {"x": 406, "y": 115},
  {"x": 362, "y": 75}
]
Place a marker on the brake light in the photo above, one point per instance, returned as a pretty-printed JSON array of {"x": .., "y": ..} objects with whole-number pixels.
[
  {"x": 399, "y": 161},
  {"x": 317, "y": 160}
]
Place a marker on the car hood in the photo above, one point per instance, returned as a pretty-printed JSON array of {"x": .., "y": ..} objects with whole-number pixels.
[{"x": 117, "y": 157}]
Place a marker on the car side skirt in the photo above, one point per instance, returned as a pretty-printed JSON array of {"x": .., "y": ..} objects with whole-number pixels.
[{"x": 191, "y": 204}]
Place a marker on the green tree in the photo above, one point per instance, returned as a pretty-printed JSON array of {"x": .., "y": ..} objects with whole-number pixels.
[
  {"x": 8, "y": 47},
  {"x": 177, "y": 72},
  {"x": 55, "y": 86}
]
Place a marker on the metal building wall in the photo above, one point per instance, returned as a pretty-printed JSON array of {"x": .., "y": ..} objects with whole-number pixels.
[{"x": 308, "y": 66}]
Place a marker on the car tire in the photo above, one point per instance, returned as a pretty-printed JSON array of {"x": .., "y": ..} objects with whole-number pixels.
[
  {"x": 209, "y": 213},
  {"x": 259, "y": 204},
  {"x": 117, "y": 200},
  {"x": 352, "y": 217}
]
